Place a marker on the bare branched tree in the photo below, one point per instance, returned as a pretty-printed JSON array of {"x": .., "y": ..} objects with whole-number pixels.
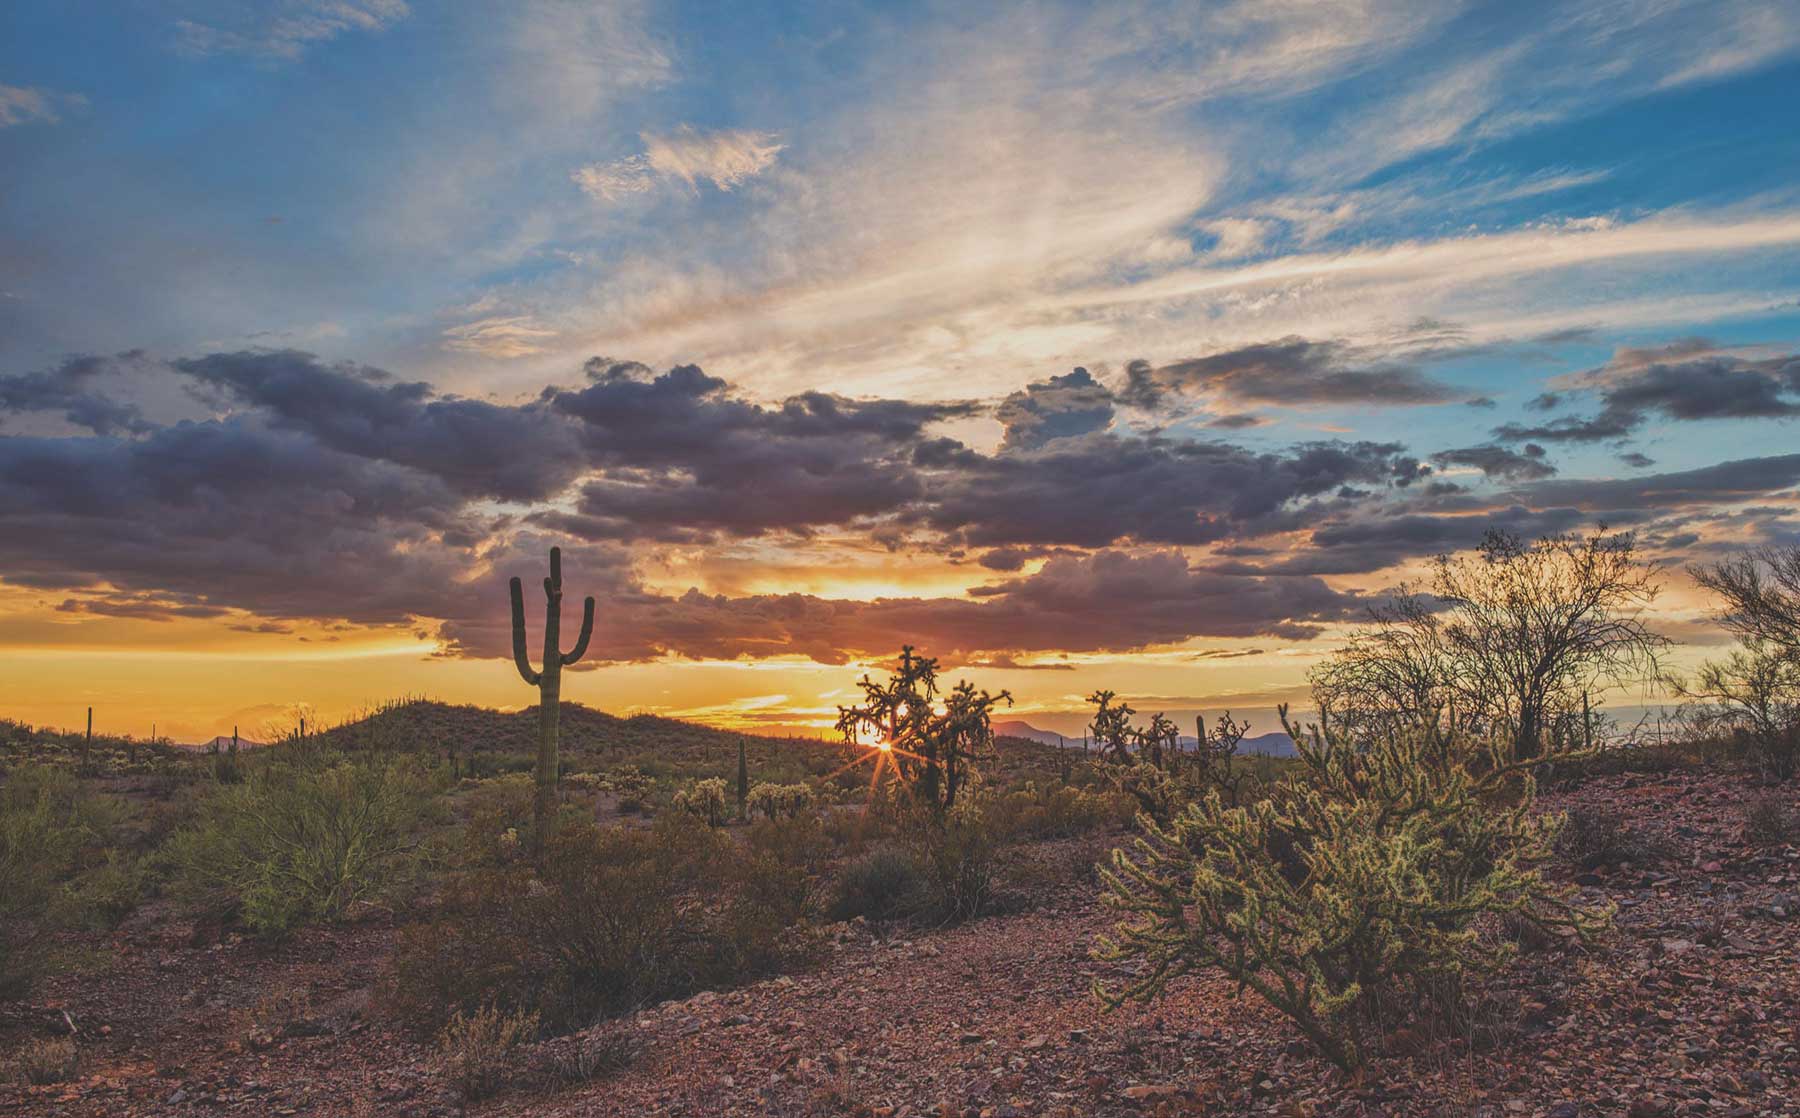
[
  {"x": 1761, "y": 592},
  {"x": 1503, "y": 640},
  {"x": 1754, "y": 693}
]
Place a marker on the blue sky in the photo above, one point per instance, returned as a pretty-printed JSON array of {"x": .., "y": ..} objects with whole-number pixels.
[{"x": 1393, "y": 224}]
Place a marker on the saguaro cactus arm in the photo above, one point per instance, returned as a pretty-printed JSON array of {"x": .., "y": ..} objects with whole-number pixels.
[
  {"x": 587, "y": 630},
  {"x": 520, "y": 656}
]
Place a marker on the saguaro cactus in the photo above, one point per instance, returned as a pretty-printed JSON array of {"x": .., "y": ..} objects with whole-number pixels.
[
  {"x": 743, "y": 785},
  {"x": 548, "y": 682}
]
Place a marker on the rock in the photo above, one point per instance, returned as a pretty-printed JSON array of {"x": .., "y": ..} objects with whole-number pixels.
[
  {"x": 1035, "y": 1042},
  {"x": 970, "y": 1038},
  {"x": 1564, "y": 1109},
  {"x": 1151, "y": 1091}
]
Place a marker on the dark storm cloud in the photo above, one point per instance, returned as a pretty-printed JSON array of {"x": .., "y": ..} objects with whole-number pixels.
[
  {"x": 1106, "y": 489},
  {"x": 227, "y": 514},
  {"x": 1685, "y": 380},
  {"x": 1528, "y": 464},
  {"x": 1063, "y": 407},
  {"x": 1375, "y": 540},
  {"x": 72, "y": 389},
  {"x": 523, "y": 453},
  {"x": 335, "y": 492},
  {"x": 1570, "y": 429},
  {"x": 1736, "y": 480},
  {"x": 1292, "y": 370},
  {"x": 683, "y": 458}
]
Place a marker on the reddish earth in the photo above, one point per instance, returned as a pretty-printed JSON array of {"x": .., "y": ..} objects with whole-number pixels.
[{"x": 1691, "y": 1007}]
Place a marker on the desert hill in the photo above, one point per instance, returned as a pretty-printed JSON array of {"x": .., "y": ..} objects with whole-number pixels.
[{"x": 593, "y": 740}]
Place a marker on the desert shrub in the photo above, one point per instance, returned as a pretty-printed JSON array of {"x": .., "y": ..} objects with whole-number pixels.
[
  {"x": 280, "y": 1011},
  {"x": 594, "y": 1054},
  {"x": 1589, "y": 838},
  {"x": 773, "y": 801},
  {"x": 1059, "y": 811},
  {"x": 103, "y": 896},
  {"x": 605, "y": 920},
  {"x": 302, "y": 838},
  {"x": 50, "y": 1060},
  {"x": 476, "y": 1050},
  {"x": 48, "y": 824},
  {"x": 704, "y": 800},
  {"x": 957, "y": 857},
  {"x": 1771, "y": 821},
  {"x": 801, "y": 841},
  {"x": 1348, "y": 894},
  {"x": 883, "y": 884}
]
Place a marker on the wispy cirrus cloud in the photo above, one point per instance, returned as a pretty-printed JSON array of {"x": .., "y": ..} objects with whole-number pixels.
[
  {"x": 726, "y": 158},
  {"x": 500, "y": 336},
  {"x": 288, "y": 29},
  {"x": 21, "y": 104}
]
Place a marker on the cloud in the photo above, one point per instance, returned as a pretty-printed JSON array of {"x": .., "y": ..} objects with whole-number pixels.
[
  {"x": 70, "y": 388},
  {"x": 473, "y": 448},
  {"x": 1061, "y": 407},
  {"x": 500, "y": 336},
  {"x": 1500, "y": 462},
  {"x": 1688, "y": 379},
  {"x": 290, "y": 29},
  {"x": 1109, "y": 601},
  {"x": 34, "y": 105},
  {"x": 725, "y": 158},
  {"x": 1291, "y": 371}
]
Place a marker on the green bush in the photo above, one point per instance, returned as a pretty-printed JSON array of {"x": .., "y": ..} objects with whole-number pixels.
[
  {"x": 606, "y": 920},
  {"x": 956, "y": 854},
  {"x": 48, "y": 823},
  {"x": 884, "y": 884},
  {"x": 1351, "y": 892},
  {"x": 302, "y": 838}
]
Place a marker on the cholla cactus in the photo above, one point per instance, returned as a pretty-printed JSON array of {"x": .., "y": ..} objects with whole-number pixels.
[
  {"x": 704, "y": 799},
  {"x": 548, "y": 682},
  {"x": 937, "y": 745},
  {"x": 1357, "y": 880},
  {"x": 1111, "y": 727},
  {"x": 775, "y": 801}
]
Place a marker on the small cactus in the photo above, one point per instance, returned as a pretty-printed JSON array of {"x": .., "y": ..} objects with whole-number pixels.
[{"x": 548, "y": 681}]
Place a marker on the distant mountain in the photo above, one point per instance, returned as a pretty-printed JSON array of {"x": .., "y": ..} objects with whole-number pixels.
[
  {"x": 1018, "y": 728},
  {"x": 222, "y": 744},
  {"x": 1276, "y": 744}
]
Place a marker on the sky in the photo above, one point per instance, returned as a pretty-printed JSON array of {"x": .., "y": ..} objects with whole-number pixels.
[{"x": 1140, "y": 346}]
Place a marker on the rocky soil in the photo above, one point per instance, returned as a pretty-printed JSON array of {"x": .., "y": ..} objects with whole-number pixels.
[{"x": 1690, "y": 1007}]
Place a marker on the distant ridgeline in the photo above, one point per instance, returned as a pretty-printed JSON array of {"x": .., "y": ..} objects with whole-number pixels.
[
  {"x": 1276, "y": 744},
  {"x": 490, "y": 741}
]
